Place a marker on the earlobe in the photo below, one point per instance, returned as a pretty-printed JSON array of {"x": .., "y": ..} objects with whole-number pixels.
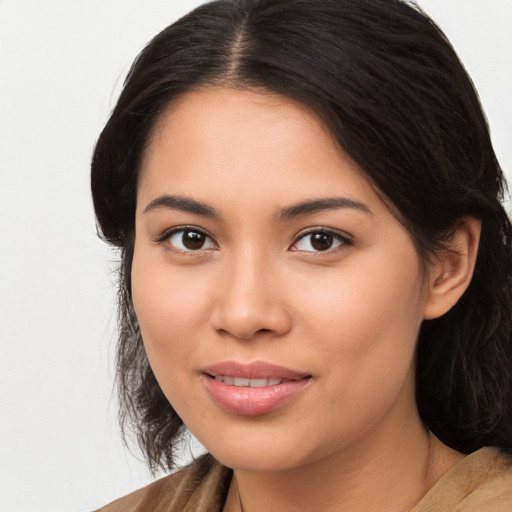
[{"x": 451, "y": 273}]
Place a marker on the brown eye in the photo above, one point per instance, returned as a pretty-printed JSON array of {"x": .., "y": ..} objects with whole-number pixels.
[
  {"x": 319, "y": 241},
  {"x": 190, "y": 240}
]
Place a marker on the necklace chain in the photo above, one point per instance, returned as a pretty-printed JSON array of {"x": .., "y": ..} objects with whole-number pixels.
[
  {"x": 239, "y": 497},
  {"x": 426, "y": 469}
]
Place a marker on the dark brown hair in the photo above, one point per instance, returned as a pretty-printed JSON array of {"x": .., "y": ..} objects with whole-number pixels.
[{"x": 388, "y": 84}]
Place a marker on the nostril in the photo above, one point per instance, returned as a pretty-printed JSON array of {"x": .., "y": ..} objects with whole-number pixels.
[{"x": 244, "y": 321}]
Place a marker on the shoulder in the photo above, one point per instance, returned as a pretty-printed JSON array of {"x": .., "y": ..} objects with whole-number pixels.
[
  {"x": 200, "y": 486},
  {"x": 481, "y": 481}
]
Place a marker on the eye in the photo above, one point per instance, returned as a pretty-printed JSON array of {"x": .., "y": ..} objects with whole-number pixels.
[
  {"x": 189, "y": 239},
  {"x": 319, "y": 241}
]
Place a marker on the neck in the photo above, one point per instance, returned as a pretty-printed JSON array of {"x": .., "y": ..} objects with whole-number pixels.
[{"x": 389, "y": 474}]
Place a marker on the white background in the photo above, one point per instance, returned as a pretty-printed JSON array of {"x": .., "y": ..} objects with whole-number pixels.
[{"x": 62, "y": 63}]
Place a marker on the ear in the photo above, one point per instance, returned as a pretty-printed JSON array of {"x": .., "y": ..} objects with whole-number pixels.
[{"x": 452, "y": 269}]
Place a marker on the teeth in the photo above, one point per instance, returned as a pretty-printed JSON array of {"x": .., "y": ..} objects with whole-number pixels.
[
  {"x": 259, "y": 383},
  {"x": 243, "y": 382}
]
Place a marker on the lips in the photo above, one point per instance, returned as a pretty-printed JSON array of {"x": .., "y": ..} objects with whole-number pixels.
[
  {"x": 256, "y": 370},
  {"x": 253, "y": 389},
  {"x": 243, "y": 382}
]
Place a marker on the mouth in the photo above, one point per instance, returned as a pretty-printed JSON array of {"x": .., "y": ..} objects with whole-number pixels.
[
  {"x": 255, "y": 371},
  {"x": 253, "y": 389},
  {"x": 242, "y": 382}
]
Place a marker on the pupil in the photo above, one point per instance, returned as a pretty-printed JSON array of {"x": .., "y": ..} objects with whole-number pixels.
[
  {"x": 321, "y": 241},
  {"x": 193, "y": 240}
]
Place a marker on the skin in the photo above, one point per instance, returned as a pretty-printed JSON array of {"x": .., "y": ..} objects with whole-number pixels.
[{"x": 258, "y": 291}]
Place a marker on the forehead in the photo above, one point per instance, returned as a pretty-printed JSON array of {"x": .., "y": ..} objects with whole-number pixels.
[
  {"x": 246, "y": 139},
  {"x": 252, "y": 118}
]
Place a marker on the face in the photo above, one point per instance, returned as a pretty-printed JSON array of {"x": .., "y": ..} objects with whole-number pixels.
[{"x": 279, "y": 300}]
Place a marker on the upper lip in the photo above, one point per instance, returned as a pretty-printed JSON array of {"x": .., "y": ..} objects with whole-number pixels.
[{"x": 254, "y": 370}]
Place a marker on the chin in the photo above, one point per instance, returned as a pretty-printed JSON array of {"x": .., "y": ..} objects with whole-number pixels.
[
  {"x": 263, "y": 451},
  {"x": 260, "y": 460}
]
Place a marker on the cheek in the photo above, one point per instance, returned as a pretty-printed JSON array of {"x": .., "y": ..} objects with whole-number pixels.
[
  {"x": 170, "y": 308},
  {"x": 368, "y": 320},
  {"x": 171, "y": 311},
  {"x": 367, "y": 331},
  {"x": 366, "y": 301}
]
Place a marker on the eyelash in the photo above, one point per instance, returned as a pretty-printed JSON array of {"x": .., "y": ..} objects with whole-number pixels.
[
  {"x": 343, "y": 240},
  {"x": 336, "y": 237},
  {"x": 167, "y": 236}
]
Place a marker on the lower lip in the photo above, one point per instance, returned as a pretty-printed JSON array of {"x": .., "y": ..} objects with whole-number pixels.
[{"x": 249, "y": 401}]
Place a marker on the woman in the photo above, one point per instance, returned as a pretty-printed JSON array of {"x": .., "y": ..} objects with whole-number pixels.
[{"x": 316, "y": 269}]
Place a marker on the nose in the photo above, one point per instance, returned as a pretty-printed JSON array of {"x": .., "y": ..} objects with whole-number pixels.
[{"x": 249, "y": 302}]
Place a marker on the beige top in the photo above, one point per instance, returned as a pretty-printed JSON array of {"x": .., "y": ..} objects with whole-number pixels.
[{"x": 481, "y": 482}]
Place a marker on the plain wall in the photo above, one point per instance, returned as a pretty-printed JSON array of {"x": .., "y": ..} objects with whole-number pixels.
[{"x": 62, "y": 63}]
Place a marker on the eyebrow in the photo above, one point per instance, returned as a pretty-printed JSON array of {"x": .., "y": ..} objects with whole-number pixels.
[
  {"x": 318, "y": 205},
  {"x": 189, "y": 205},
  {"x": 181, "y": 203}
]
